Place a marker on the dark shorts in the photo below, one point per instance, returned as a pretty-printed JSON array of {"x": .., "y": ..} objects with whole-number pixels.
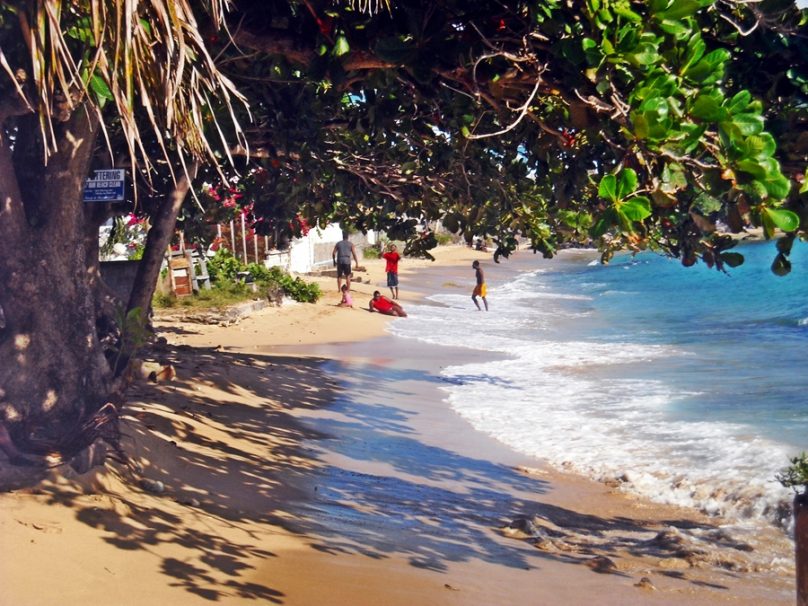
[
  {"x": 392, "y": 279},
  {"x": 344, "y": 269}
]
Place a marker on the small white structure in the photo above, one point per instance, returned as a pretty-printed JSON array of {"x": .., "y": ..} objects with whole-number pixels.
[{"x": 313, "y": 251}]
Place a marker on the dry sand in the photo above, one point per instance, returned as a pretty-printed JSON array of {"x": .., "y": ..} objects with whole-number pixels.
[{"x": 302, "y": 458}]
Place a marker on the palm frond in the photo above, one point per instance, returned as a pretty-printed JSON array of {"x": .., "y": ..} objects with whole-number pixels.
[{"x": 144, "y": 57}]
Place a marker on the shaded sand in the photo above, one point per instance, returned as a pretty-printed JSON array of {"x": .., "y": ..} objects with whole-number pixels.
[{"x": 302, "y": 458}]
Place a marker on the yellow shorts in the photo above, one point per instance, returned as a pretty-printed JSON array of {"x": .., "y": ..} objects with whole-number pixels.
[{"x": 479, "y": 291}]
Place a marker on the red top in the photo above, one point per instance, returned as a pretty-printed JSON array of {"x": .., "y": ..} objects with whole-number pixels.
[
  {"x": 382, "y": 304},
  {"x": 392, "y": 261}
]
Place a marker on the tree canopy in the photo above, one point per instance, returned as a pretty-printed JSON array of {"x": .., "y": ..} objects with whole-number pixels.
[{"x": 627, "y": 124}]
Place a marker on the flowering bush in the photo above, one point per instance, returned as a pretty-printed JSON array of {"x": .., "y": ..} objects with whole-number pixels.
[{"x": 125, "y": 239}]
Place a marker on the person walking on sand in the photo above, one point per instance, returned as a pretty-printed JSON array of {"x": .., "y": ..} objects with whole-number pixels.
[
  {"x": 392, "y": 257},
  {"x": 479, "y": 289},
  {"x": 347, "y": 300},
  {"x": 341, "y": 257},
  {"x": 385, "y": 306}
]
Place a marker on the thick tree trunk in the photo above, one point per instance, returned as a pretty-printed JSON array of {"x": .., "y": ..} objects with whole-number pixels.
[
  {"x": 801, "y": 542},
  {"x": 54, "y": 375}
]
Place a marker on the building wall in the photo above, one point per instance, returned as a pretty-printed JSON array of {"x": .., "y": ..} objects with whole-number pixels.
[{"x": 313, "y": 251}]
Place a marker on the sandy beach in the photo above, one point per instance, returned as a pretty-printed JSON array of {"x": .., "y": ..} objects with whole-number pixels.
[{"x": 302, "y": 456}]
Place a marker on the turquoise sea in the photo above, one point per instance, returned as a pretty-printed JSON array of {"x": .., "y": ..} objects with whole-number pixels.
[{"x": 685, "y": 385}]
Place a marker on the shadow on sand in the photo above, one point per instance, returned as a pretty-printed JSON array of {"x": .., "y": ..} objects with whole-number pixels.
[{"x": 241, "y": 454}]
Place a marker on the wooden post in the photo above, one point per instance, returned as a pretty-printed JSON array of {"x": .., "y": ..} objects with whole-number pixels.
[
  {"x": 801, "y": 546},
  {"x": 255, "y": 245},
  {"x": 244, "y": 239},
  {"x": 233, "y": 237}
]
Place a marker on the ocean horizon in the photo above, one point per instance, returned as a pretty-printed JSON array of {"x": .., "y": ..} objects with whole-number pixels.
[{"x": 682, "y": 385}]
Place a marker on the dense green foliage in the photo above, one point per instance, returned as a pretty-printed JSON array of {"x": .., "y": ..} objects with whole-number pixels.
[
  {"x": 224, "y": 269},
  {"x": 660, "y": 124},
  {"x": 618, "y": 123}
]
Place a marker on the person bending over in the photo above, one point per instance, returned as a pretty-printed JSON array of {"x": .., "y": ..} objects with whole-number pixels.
[
  {"x": 341, "y": 256},
  {"x": 385, "y": 306}
]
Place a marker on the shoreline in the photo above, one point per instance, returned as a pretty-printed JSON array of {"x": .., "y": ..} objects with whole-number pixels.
[{"x": 305, "y": 457}]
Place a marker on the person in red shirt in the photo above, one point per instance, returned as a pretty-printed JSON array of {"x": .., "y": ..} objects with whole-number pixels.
[
  {"x": 392, "y": 257},
  {"x": 385, "y": 306}
]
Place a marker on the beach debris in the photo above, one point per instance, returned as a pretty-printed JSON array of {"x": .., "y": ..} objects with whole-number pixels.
[
  {"x": 554, "y": 545},
  {"x": 531, "y": 471},
  {"x": 645, "y": 583},
  {"x": 153, "y": 486},
  {"x": 155, "y": 372},
  {"x": 189, "y": 501},
  {"x": 602, "y": 565},
  {"x": 520, "y": 528},
  {"x": 668, "y": 540},
  {"x": 447, "y": 586}
]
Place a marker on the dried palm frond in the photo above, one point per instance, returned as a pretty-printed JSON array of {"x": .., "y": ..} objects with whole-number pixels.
[{"x": 144, "y": 57}]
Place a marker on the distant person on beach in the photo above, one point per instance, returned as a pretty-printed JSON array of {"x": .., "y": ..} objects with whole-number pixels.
[
  {"x": 392, "y": 257},
  {"x": 480, "y": 289},
  {"x": 385, "y": 306},
  {"x": 341, "y": 257},
  {"x": 347, "y": 300}
]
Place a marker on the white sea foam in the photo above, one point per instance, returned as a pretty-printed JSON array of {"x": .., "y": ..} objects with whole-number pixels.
[{"x": 544, "y": 400}]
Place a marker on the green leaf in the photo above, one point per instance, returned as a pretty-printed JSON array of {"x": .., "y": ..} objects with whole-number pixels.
[
  {"x": 732, "y": 259},
  {"x": 760, "y": 168},
  {"x": 673, "y": 178},
  {"x": 603, "y": 224},
  {"x": 99, "y": 86},
  {"x": 608, "y": 188},
  {"x": 758, "y": 146},
  {"x": 645, "y": 55},
  {"x": 695, "y": 51},
  {"x": 778, "y": 186},
  {"x": 786, "y": 220},
  {"x": 781, "y": 266},
  {"x": 625, "y": 12},
  {"x": 739, "y": 102},
  {"x": 748, "y": 124},
  {"x": 679, "y": 29},
  {"x": 679, "y": 9},
  {"x": 710, "y": 69},
  {"x": 707, "y": 204},
  {"x": 341, "y": 46},
  {"x": 626, "y": 182},
  {"x": 636, "y": 209},
  {"x": 708, "y": 106}
]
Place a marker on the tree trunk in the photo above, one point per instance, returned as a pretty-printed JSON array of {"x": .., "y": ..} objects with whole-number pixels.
[
  {"x": 801, "y": 542},
  {"x": 54, "y": 375},
  {"x": 157, "y": 241}
]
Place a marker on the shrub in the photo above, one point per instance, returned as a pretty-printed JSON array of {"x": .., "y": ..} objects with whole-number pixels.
[
  {"x": 444, "y": 238},
  {"x": 372, "y": 252},
  {"x": 297, "y": 289},
  {"x": 163, "y": 300},
  {"x": 796, "y": 475},
  {"x": 224, "y": 266}
]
